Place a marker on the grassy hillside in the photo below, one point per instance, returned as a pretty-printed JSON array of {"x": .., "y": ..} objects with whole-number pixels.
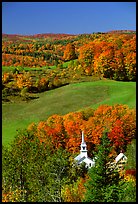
[{"x": 66, "y": 99}]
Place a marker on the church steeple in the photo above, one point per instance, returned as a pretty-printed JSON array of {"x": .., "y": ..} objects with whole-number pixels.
[
  {"x": 83, "y": 157},
  {"x": 82, "y": 136},
  {"x": 83, "y": 150}
]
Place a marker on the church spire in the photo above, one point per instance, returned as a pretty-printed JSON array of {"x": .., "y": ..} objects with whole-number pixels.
[
  {"x": 83, "y": 150},
  {"x": 82, "y": 136}
]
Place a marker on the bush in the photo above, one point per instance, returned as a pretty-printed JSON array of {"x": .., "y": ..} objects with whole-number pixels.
[{"x": 5, "y": 92}]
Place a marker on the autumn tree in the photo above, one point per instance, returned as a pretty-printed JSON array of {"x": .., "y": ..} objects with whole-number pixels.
[
  {"x": 65, "y": 131},
  {"x": 86, "y": 57},
  {"x": 75, "y": 191},
  {"x": 72, "y": 123},
  {"x": 69, "y": 53}
]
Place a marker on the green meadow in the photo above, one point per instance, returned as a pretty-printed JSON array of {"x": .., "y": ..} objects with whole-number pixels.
[{"x": 69, "y": 98}]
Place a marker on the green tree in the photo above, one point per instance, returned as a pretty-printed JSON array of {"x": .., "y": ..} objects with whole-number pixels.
[
  {"x": 128, "y": 192},
  {"x": 103, "y": 182},
  {"x": 36, "y": 170},
  {"x": 58, "y": 168},
  {"x": 24, "y": 167}
]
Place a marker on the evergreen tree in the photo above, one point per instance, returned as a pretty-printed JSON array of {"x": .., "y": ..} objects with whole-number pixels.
[{"x": 103, "y": 182}]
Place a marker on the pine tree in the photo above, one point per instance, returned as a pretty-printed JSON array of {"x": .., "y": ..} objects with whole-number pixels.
[{"x": 103, "y": 182}]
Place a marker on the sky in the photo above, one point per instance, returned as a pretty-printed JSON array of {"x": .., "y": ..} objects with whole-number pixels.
[{"x": 28, "y": 18}]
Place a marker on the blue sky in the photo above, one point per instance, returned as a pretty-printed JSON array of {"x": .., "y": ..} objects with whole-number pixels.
[{"x": 67, "y": 17}]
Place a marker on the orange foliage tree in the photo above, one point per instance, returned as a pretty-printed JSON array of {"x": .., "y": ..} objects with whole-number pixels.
[
  {"x": 72, "y": 124},
  {"x": 69, "y": 53},
  {"x": 65, "y": 131},
  {"x": 74, "y": 192},
  {"x": 23, "y": 80}
]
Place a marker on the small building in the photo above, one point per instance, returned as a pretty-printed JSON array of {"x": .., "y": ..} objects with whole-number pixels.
[
  {"x": 83, "y": 157},
  {"x": 121, "y": 158}
]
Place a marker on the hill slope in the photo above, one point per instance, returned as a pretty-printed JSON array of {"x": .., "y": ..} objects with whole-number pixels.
[{"x": 66, "y": 99}]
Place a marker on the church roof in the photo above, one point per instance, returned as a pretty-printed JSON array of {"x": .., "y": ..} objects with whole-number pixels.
[
  {"x": 85, "y": 159},
  {"x": 120, "y": 156},
  {"x": 80, "y": 160},
  {"x": 78, "y": 157}
]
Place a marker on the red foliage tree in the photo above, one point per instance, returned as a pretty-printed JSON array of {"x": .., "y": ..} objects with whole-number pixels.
[{"x": 65, "y": 131}]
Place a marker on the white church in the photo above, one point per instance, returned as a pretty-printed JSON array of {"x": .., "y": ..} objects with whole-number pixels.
[{"x": 83, "y": 157}]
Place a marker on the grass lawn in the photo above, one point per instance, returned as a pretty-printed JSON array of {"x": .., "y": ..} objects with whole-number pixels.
[{"x": 62, "y": 100}]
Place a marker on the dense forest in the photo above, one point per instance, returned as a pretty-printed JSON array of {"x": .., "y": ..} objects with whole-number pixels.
[
  {"x": 39, "y": 165},
  {"x": 112, "y": 55},
  {"x": 62, "y": 59}
]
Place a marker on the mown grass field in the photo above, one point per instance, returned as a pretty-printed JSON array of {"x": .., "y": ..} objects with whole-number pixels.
[{"x": 65, "y": 99}]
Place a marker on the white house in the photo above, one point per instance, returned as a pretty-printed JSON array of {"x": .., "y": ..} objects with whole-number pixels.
[
  {"x": 83, "y": 157},
  {"x": 120, "y": 157}
]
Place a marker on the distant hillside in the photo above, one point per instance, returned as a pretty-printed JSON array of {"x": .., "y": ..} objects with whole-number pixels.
[
  {"x": 121, "y": 31},
  {"x": 54, "y": 36},
  {"x": 59, "y": 35}
]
